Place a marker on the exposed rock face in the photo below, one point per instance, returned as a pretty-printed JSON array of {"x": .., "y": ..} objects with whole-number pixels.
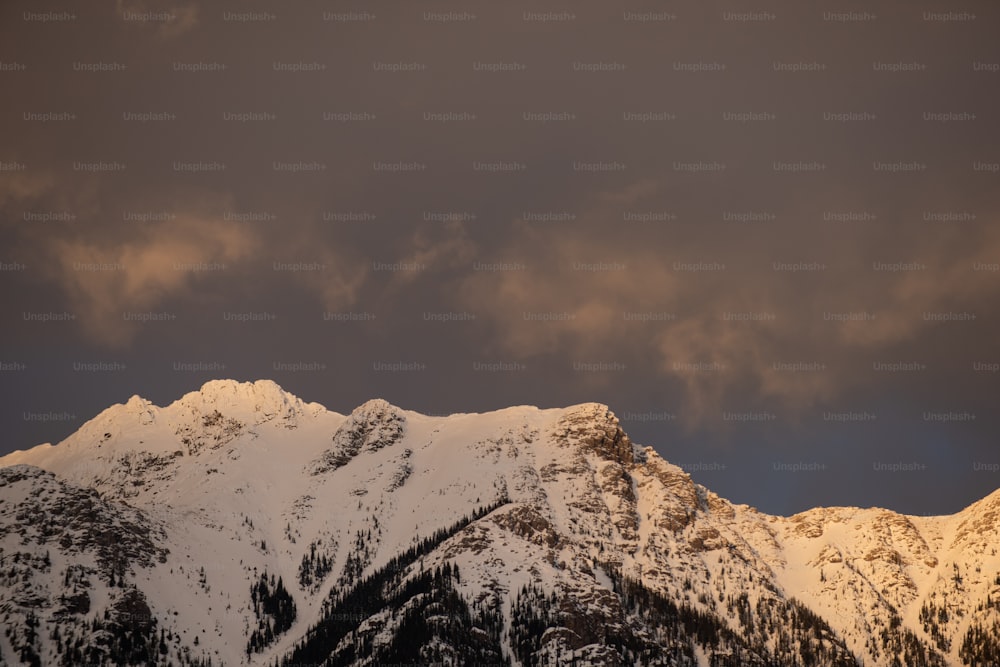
[
  {"x": 679, "y": 490},
  {"x": 212, "y": 431},
  {"x": 370, "y": 427},
  {"x": 707, "y": 538},
  {"x": 74, "y": 603},
  {"x": 594, "y": 429},
  {"x": 528, "y": 524},
  {"x": 44, "y": 510},
  {"x": 66, "y": 550}
]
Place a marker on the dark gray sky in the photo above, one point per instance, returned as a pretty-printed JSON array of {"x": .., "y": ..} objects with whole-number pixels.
[{"x": 765, "y": 234}]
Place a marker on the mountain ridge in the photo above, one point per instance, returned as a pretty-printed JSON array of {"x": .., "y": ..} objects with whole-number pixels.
[{"x": 247, "y": 479}]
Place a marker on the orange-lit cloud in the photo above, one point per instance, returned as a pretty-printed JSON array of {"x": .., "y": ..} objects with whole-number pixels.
[{"x": 107, "y": 279}]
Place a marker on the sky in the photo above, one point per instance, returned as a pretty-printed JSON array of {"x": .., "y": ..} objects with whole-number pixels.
[{"x": 765, "y": 234}]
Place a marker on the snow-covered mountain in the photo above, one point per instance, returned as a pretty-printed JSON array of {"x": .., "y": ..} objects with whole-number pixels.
[{"x": 241, "y": 525}]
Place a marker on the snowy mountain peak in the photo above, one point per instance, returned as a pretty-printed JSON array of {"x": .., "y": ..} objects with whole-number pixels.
[
  {"x": 374, "y": 409},
  {"x": 257, "y": 401},
  {"x": 246, "y": 403},
  {"x": 137, "y": 403},
  {"x": 135, "y": 413},
  {"x": 135, "y": 410}
]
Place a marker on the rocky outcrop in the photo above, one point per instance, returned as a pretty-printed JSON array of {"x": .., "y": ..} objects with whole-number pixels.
[
  {"x": 45, "y": 510},
  {"x": 372, "y": 426},
  {"x": 593, "y": 429},
  {"x": 527, "y": 523}
]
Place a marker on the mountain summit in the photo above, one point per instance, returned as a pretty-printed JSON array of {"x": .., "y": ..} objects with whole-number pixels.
[{"x": 240, "y": 525}]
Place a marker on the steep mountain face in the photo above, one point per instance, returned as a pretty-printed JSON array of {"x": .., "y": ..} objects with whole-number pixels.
[{"x": 240, "y": 525}]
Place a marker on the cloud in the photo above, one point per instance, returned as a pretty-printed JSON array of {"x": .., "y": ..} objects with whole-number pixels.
[
  {"x": 24, "y": 186},
  {"x": 442, "y": 247},
  {"x": 339, "y": 281},
  {"x": 743, "y": 336},
  {"x": 161, "y": 260}
]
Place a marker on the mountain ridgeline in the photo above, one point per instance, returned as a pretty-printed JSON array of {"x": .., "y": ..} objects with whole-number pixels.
[{"x": 242, "y": 526}]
